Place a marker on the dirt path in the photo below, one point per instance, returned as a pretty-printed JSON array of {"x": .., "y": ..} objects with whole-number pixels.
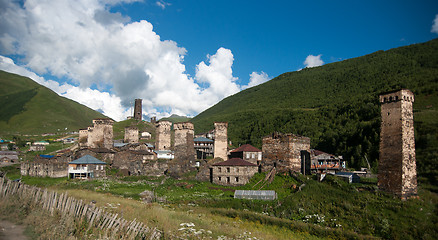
[{"x": 10, "y": 231}]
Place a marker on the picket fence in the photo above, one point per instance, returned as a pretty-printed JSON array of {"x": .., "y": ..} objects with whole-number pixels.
[{"x": 113, "y": 226}]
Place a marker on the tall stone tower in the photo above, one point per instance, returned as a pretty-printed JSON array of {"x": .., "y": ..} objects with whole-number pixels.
[
  {"x": 397, "y": 166},
  {"x": 131, "y": 134},
  {"x": 137, "y": 109},
  {"x": 220, "y": 140},
  {"x": 162, "y": 136},
  {"x": 101, "y": 135}
]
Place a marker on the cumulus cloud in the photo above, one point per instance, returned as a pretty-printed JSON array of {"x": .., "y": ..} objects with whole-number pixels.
[
  {"x": 435, "y": 25},
  {"x": 313, "y": 61},
  {"x": 107, "y": 61},
  {"x": 256, "y": 79}
]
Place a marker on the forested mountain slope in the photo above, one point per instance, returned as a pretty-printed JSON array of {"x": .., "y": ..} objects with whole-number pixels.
[
  {"x": 27, "y": 107},
  {"x": 336, "y": 105}
]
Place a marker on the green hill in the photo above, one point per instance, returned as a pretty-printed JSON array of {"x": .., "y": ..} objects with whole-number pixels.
[
  {"x": 143, "y": 126},
  {"x": 174, "y": 118},
  {"x": 336, "y": 105},
  {"x": 29, "y": 108}
]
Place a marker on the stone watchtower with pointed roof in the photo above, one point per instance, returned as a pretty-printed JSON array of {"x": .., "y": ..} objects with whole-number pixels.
[{"x": 397, "y": 166}]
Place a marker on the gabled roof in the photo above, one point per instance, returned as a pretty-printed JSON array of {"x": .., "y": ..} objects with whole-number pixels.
[
  {"x": 246, "y": 148},
  {"x": 202, "y": 139},
  {"x": 235, "y": 162},
  {"x": 87, "y": 159}
]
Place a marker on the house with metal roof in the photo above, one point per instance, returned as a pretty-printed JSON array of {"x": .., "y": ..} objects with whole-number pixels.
[
  {"x": 204, "y": 147},
  {"x": 233, "y": 172},
  {"x": 248, "y": 153},
  {"x": 86, "y": 167}
]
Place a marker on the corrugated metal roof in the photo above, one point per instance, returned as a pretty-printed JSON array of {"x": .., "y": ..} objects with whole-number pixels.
[
  {"x": 87, "y": 159},
  {"x": 255, "y": 194},
  {"x": 246, "y": 148},
  {"x": 235, "y": 162},
  {"x": 202, "y": 139}
]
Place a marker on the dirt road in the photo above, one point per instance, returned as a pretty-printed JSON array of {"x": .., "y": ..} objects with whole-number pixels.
[{"x": 10, "y": 231}]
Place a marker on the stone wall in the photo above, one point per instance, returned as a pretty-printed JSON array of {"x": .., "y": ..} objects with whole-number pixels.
[
  {"x": 283, "y": 151},
  {"x": 83, "y": 138},
  {"x": 101, "y": 135},
  {"x": 139, "y": 163},
  {"x": 221, "y": 140},
  {"x": 184, "y": 160},
  {"x": 131, "y": 134},
  {"x": 397, "y": 165},
  {"x": 163, "y": 135},
  {"x": 44, "y": 169}
]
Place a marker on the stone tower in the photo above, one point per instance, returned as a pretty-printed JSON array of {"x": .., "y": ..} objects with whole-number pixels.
[
  {"x": 101, "y": 134},
  {"x": 137, "y": 109},
  {"x": 184, "y": 149},
  {"x": 397, "y": 166},
  {"x": 131, "y": 134},
  {"x": 83, "y": 138},
  {"x": 220, "y": 140},
  {"x": 162, "y": 141}
]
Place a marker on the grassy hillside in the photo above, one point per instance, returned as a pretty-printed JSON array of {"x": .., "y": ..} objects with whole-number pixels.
[
  {"x": 336, "y": 105},
  {"x": 175, "y": 119},
  {"x": 27, "y": 107}
]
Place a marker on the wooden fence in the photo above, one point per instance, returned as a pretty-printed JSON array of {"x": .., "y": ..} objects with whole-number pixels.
[{"x": 113, "y": 226}]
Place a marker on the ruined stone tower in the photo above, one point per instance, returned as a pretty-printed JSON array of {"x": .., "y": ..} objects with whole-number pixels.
[
  {"x": 162, "y": 136},
  {"x": 397, "y": 166},
  {"x": 131, "y": 134},
  {"x": 184, "y": 149},
  {"x": 220, "y": 140},
  {"x": 101, "y": 134},
  {"x": 284, "y": 151},
  {"x": 83, "y": 138},
  {"x": 137, "y": 109}
]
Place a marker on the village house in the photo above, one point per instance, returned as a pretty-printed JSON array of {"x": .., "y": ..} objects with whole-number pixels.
[
  {"x": 165, "y": 154},
  {"x": 86, "y": 167},
  {"x": 204, "y": 147},
  {"x": 325, "y": 162},
  {"x": 37, "y": 148},
  {"x": 41, "y": 143},
  {"x": 233, "y": 172},
  {"x": 8, "y": 156},
  {"x": 248, "y": 153},
  {"x": 44, "y": 166},
  {"x": 145, "y": 135}
]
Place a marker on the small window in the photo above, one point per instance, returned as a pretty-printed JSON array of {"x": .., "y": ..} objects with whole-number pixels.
[
  {"x": 247, "y": 155},
  {"x": 252, "y": 155},
  {"x": 237, "y": 179},
  {"x": 220, "y": 169},
  {"x": 97, "y": 167},
  {"x": 228, "y": 179},
  {"x": 228, "y": 169},
  {"x": 219, "y": 178},
  {"x": 237, "y": 169}
]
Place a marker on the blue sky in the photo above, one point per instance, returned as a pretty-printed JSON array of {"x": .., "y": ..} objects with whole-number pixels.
[{"x": 184, "y": 56}]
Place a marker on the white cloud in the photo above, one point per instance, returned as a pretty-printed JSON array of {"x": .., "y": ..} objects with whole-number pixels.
[
  {"x": 162, "y": 4},
  {"x": 87, "y": 45},
  {"x": 109, "y": 104},
  {"x": 313, "y": 61},
  {"x": 435, "y": 25},
  {"x": 256, "y": 79}
]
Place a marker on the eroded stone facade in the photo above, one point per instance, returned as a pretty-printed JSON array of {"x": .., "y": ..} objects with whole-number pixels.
[
  {"x": 83, "y": 138},
  {"x": 221, "y": 140},
  {"x": 163, "y": 135},
  {"x": 283, "y": 151},
  {"x": 184, "y": 149},
  {"x": 397, "y": 165},
  {"x": 101, "y": 135},
  {"x": 44, "y": 168},
  {"x": 233, "y": 172},
  {"x": 131, "y": 134}
]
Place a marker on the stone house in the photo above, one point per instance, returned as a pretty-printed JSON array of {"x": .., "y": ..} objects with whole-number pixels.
[
  {"x": 86, "y": 167},
  {"x": 233, "y": 172},
  {"x": 8, "y": 156},
  {"x": 45, "y": 166},
  {"x": 248, "y": 153},
  {"x": 37, "y": 148}
]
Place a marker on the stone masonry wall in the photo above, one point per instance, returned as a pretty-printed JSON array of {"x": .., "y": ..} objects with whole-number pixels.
[
  {"x": 283, "y": 151},
  {"x": 83, "y": 138},
  {"x": 233, "y": 175},
  {"x": 137, "y": 109},
  {"x": 101, "y": 135},
  {"x": 184, "y": 149},
  {"x": 163, "y": 136},
  {"x": 131, "y": 134},
  {"x": 221, "y": 140},
  {"x": 397, "y": 165},
  {"x": 48, "y": 169}
]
